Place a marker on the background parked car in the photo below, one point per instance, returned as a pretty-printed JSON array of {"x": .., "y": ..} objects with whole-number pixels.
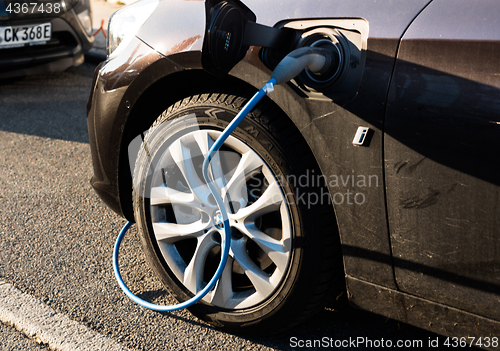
[
  {"x": 418, "y": 238},
  {"x": 43, "y": 36}
]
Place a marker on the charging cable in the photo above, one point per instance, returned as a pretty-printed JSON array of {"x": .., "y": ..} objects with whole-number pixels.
[{"x": 317, "y": 60}]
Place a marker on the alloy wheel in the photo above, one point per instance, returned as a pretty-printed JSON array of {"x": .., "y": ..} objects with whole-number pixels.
[{"x": 187, "y": 224}]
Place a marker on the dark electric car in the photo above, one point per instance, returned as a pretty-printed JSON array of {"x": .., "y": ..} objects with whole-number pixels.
[
  {"x": 379, "y": 177},
  {"x": 43, "y": 36}
]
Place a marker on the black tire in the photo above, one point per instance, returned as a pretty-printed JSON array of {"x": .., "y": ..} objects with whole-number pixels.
[{"x": 315, "y": 272}]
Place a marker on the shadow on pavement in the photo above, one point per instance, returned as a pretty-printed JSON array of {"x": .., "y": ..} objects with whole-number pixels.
[{"x": 49, "y": 105}]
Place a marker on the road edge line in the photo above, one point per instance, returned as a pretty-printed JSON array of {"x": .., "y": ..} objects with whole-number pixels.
[{"x": 44, "y": 325}]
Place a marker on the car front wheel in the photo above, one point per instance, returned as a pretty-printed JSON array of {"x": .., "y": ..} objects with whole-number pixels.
[{"x": 285, "y": 259}]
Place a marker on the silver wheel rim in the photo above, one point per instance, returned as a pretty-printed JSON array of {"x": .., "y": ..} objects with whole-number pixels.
[{"x": 186, "y": 226}]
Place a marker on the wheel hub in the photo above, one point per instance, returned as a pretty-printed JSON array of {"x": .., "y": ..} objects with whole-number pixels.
[{"x": 218, "y": 221}]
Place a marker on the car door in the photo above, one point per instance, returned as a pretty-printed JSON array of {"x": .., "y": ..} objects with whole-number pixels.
[{"x": 442, "y": 147}]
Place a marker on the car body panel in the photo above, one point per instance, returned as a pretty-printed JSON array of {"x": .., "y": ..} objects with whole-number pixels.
[
  {"x": 111, "y": 93},
  {"x": 116, "y": 91},
  {"x": 422, "y": 313},
  {"x": 175, "y": 64},
  {"x": 443, "y": 125},
  {"x": 329, "y": 128},
  {"x": 185, "y": 33},
  {"x": 387, "y": 19}
]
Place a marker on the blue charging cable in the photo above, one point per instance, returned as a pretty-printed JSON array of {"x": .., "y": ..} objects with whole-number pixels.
[
  {"x": 316, "y": 60},
  {"x": 226, "y": 240}
]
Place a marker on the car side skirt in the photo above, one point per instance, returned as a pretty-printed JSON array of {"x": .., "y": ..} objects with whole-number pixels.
[{"x": 422, "y": 313}]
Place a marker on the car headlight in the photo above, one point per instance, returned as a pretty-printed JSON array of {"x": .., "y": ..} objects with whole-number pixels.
[
  {"x": 125, "y": 23},
  {"x": 86, "y": 21}
]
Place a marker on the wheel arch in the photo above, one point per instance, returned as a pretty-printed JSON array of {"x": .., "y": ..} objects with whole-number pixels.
[
  {"x": 151, "y": 102},
  {"x": 171, "y": 86}
]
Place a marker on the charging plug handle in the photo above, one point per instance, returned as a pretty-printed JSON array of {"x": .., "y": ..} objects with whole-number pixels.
[{"x": 316, "y": 60}]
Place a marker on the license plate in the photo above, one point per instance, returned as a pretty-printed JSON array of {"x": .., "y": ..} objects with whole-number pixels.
[{"x": 21, "y": 35}]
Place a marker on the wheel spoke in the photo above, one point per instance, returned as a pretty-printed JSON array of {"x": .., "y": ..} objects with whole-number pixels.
[
  {"x": 193, "y": 275},
  {"x": 184, "y": 160},
  {"x": 172, "y": 232},
  {"x": 205, "y": 142},
  {"x": 276, "y": 250},
  {"x": 286, "y": 230},
  {"x": 257, "y": 276},
  {"x": 161, "y": 195},
  {"x": 249, "y": 163},
  {"x": 224, "y": 287},
  {"x": 269, "y": 201}
]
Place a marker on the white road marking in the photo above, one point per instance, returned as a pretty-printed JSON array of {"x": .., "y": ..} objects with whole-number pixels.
[{"x": 45, "y": 325}]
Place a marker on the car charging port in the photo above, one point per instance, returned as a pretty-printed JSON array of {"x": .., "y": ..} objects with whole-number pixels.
[
  {"x": 333, "y": 69},
  {"x": 344, "y": 38},
  {"x": 332, "y": 40}
]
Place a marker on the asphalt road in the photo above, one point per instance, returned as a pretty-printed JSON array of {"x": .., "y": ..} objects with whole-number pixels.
[
  {"x": 13, "y": 340},
  {"x": 56, "y": 236}
]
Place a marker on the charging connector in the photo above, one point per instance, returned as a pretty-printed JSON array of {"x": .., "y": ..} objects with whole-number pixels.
[{"x": 316, "y": 60}]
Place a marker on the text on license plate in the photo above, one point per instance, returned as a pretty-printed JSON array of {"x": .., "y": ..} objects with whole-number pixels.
[{"x": 19, "y": 35}]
